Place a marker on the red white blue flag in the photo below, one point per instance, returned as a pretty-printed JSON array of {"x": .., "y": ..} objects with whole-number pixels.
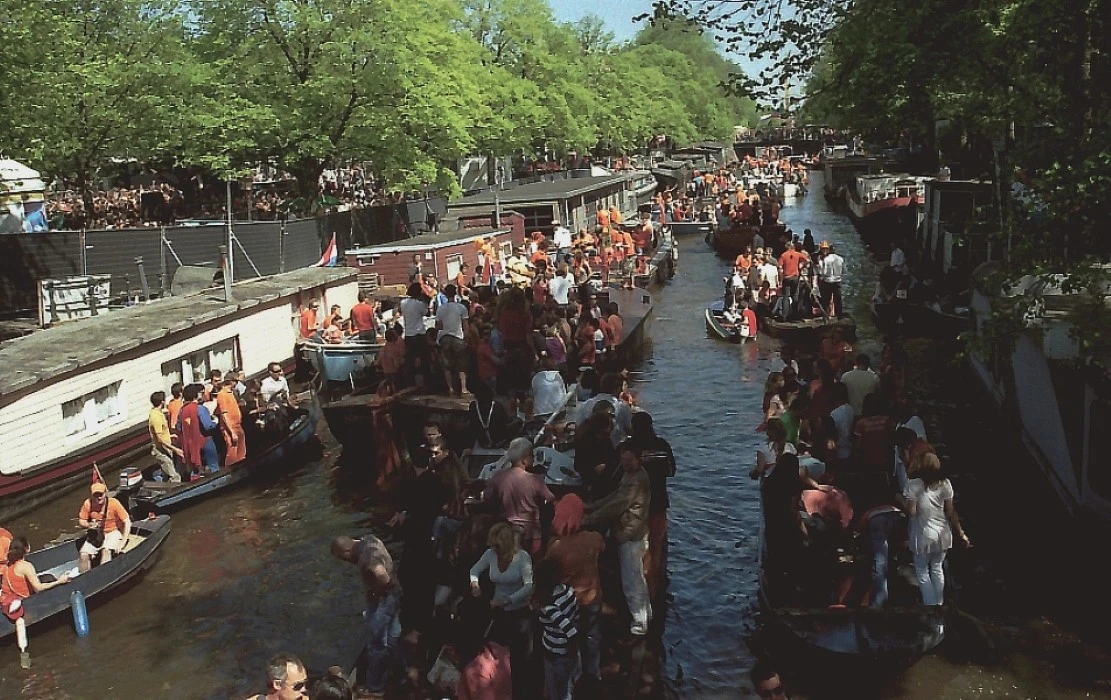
[{"x": 330, "y": 256}]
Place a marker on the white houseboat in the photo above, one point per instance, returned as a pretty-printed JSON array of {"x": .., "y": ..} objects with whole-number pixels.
[
  {"x": 79, "y": 393},
  {"x": 1061, "y": 405}
]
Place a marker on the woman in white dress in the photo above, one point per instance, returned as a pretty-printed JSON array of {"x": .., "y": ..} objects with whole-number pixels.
[{"x": 933, "y": 520}]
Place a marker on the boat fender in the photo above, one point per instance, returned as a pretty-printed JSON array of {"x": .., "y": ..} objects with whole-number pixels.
[{"x": 80, "y": 614}]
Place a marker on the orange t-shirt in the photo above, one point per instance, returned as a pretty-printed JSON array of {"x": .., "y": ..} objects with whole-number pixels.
[
  {"x": 308, "y": 322},
  {"x": 14, "y": 585},
  {"x": 615, "y": 217},
  {"x": 117, "y": 515},
  {"x": 5, "y": 542},
  {"x": 174, "y": 407},
  {"x": 228, "y": 406},
  {"x": 789, "y": 261},
  {"x": 744, "y": 262}
]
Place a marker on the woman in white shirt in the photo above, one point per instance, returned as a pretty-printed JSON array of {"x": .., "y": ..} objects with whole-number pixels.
[
  {"x": 777, "y": 445},
  {"x": 933, "y": 520},
  {"x": 510, "y": 570}
]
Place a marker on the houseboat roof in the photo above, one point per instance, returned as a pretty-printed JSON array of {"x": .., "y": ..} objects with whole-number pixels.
[
  {"x": 547, "y": 191},
  {"x": 52, "y": 352},
  {"x": 432, "y": 241}
]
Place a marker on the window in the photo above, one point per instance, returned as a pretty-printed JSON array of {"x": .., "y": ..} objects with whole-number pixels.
[
  {"x": 194, "y": 367},
  {"x": 506, "y": 249},
  {"x": 454, "y": 262},
  {"x": 87, "y": 415}
]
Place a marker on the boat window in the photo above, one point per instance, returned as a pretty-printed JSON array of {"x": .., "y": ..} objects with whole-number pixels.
[
  {"x": 88, "y": 414},
  {"x": 195, "y": 366},
  {"x": 506, "y": 249},
  {"x": 1099, "y": 448},
  {"x": 454, "y": 262}
]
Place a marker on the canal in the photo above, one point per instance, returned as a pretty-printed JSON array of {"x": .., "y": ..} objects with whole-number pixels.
[{"x": 249, "y": 573}]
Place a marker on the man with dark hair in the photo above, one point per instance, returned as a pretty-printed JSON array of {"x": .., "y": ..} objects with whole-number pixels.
[
  {"x": 196, "y": 427},
  {"x": 414, "y": 309},
  {"x": 860, "y": 381},
  {"x": 285, "y": 679},
  {"x": 364, "y": 320},
  {"x": 383, "y": 605},
  {"x": 765, "y": 680},
  {"x": 161, "y": 444}
]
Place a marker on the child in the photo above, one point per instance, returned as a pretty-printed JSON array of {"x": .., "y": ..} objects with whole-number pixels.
[{"x": 558, "y": 611}]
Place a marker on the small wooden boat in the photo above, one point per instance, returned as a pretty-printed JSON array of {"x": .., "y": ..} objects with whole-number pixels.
[
  {"x": 921, "y": 319},
  {"x": 351, "y": 419},
  {"x": 718, "y": 325},
  {"x": 808, "y": 331},
  {"x": 687, "y": 228},
  {"x": 138, "y": 555},
  {"x": 890, "y": 637},
  {"x": 146, "y": 496},
  {"x": 342, "y": 362}
]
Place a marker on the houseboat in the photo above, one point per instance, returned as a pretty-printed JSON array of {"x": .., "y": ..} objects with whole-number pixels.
[
  {"x": 78, "y": 393},
  {"x": 839, "y": 173},
  {"x": 386, "y": 266},
  {"x": 884, "y": 207},
  {"x": 574, "y": 201},
  {"x": 1058, "y": 401}
]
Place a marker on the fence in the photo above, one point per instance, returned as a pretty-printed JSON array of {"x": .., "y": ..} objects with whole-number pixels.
[{"x": 258, "y": 248}]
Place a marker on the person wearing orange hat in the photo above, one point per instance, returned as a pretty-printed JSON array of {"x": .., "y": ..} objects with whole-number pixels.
[{"x": 111, "y": 523}]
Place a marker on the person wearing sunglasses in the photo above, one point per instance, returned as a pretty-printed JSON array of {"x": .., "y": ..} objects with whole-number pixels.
[
  {"x": 285, "y": 679},
  {"x": 766, "y": 681}
]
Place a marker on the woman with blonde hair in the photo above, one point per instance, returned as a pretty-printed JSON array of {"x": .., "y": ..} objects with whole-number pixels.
[
  {"x": 510, "y": 570},
  {"x": 933, "y": 520}
]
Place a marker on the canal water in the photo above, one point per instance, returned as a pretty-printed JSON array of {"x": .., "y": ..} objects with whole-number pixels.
[{"x": 249, "y": 573}]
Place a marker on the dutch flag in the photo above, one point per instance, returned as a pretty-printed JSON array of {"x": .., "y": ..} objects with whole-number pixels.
[{"x": 330, "y": 256}]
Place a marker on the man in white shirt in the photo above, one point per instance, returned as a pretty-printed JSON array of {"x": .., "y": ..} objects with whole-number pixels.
[
  {"x": 831, "y": 267},
  {"x": 275, "y": 386},
  {"x": 561, "y": 284},
  {"x": 451, "y": 321},
  {"x": 548, "y": 388},
  {"x": 860, "y": 382},
  {"x": 414, "y": 309},
  {"x": 769, "y": 273},
  {"x": 898, "y": 258},
  {"x": 843, "y": 417},
  {"x": 561, "y": 237}
]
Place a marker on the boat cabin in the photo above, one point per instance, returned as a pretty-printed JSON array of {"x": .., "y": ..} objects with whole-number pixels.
[
  {"x": 881, "y": 186},
  {"x": 79, "y": 392},
  {"x": 442, "y": 255},
  {"x": 574, "y": 201}
]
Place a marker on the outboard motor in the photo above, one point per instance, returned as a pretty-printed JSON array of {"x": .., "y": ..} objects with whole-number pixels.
[{"x": 131, "y": 481}]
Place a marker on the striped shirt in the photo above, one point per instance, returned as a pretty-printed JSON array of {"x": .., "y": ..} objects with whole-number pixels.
[{"x": 560, "y": 620}]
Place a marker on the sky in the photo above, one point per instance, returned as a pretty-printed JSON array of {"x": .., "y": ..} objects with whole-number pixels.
[{"x": 617, "y": 14}]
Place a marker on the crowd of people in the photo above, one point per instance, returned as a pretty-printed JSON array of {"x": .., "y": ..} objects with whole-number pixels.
[
  {"x": 272, "y": 196},
  {"x": 847, "y": 466}
]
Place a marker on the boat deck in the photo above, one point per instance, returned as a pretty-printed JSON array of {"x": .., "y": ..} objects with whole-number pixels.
[{"x": 52, "y": 352}]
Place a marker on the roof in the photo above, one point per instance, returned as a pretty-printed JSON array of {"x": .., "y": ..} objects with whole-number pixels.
[
  {"x": 53, "y": 352},
  {"x": 546, "y": 191},
  {"x": 433, "y": 241}
]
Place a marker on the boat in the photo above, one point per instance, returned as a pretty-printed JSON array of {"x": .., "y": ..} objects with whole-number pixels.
[
  {"x": 78, "y": 390},
  {"x": 143, "y": 497},
  {"x": 848, "y": 634},
  {"x": 139, "y": 554},
  {"x": 808, "y": 331},
  {"x": 921, "y": 318},
  {"x": 351, "y": 419},
  {"x": 342, "y": 362},
  {"x": 687, "y": 228},
  {"x": 1053, "y": 393},
  {"x": 731, "y": 242},
  {"x": 883, "y": 206},
  {"x": 720, "y": 326}
]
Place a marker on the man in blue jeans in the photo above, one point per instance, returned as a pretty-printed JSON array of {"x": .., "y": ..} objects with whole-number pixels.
[{"x": 383, "y": 606}]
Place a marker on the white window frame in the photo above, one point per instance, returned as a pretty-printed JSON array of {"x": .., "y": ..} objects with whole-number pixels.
[
  {"x": 186, "y": 368},
  {"x": 454, "y": 263}
]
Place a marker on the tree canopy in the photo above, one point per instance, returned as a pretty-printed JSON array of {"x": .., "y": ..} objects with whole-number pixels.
[{"x": 407, "y": 87}]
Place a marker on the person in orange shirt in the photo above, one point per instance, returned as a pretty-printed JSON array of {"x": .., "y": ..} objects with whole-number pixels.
[
  {"x": 789, "y": 270},
  {"x": 309, "y": 323},
  {"x": 615, "y": 216},
  {"x": 173, "y": 407},
  {"x": 231, "y": 423},
  {"x": 5, "y": 542},
  {"x": 744, "y": 262},
  {"x": 19, "y": 578},
  {"x": 603, "y": 218},
  {"x": 98, "y": 508}
]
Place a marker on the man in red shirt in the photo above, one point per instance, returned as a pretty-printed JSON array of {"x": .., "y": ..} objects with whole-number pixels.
[
  {"x": 362, "y": 317},
  {"x": 789, "y": 270}
]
